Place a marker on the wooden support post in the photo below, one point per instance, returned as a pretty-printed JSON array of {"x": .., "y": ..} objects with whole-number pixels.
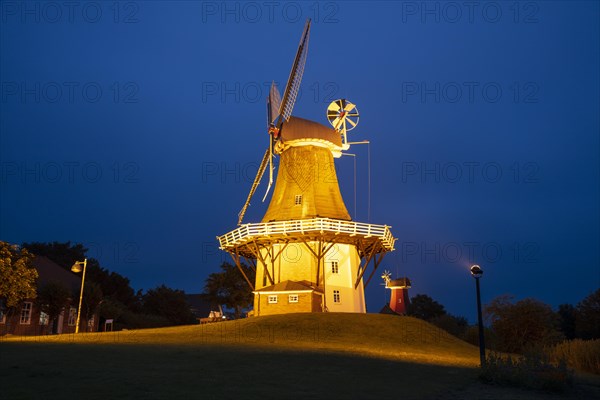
[
  {"x": 263, "y": 262},
  {"x": 362, "y": 271},
  {"x": 376, "y": 264},
  {"x": 236, "y": 259}
]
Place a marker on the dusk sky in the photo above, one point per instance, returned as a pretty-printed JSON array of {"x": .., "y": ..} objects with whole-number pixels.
[{"x": 136, "y": 129}]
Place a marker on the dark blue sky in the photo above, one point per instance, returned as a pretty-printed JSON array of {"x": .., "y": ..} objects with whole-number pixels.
[{"x": 136, "y": 129}]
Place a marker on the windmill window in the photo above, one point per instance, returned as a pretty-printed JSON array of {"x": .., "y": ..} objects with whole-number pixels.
[
  {"x": 298, "y": 199},
  {"x": 273, "y": 299},
  {"x": 293, "y": 298},
  {"x": 336, "y": 296},
  {"x": 335, "y": 268},
  {"x": 26, "y": 313}
]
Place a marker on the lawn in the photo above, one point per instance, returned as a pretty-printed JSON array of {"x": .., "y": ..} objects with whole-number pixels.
[{"x": 289, "y": 356}]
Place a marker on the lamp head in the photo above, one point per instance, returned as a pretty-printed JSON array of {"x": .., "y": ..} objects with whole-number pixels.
[
  {"x": 476, "y": 271},
  {"x": 77, "y": 266}
]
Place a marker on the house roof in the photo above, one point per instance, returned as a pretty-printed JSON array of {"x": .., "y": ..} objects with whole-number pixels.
[
  {"x": 387, "y": 310},
  {"x": 49, "y": 271},
  {"x": 290, "y": 286}
]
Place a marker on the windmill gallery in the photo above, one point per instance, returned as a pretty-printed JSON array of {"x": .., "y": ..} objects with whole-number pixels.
[{"x": 307, "y": 252}]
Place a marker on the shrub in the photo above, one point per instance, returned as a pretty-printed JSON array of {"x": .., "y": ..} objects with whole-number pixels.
[
  {"x": 582, "y": 355},
  {"x": 533, "y": 371}
]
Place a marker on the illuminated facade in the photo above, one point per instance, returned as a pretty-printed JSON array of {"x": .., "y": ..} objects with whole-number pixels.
[{"x": 306, "y": 244}]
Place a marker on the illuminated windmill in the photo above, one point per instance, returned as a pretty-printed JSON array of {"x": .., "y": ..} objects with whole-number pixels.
[
  {"x": 399, "y": 299},
  {"x": 308, "y": 254}
]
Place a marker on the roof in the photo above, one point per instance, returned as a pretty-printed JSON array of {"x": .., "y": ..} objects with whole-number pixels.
[
  {"x": 387, "y": 310},
  {"x": 289, "y": 286},
  {"x": 400, "y": 282},
  {"x": 49, "y": 271},
  {"x": 299, "y": 128}
]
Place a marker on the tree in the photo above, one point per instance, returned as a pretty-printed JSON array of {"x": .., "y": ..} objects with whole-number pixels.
[
  {"x": 92, "y": 297},
  {"x": 112, "y": 284},
  {"x": 229, "y": 287},
  {"x": 587, "y": 317},
  {"x": 521, "y": 326},
  {"x": 17, "y": 275},
  {"x": 112, "y": 309},
  {"x": 64, "y": 254},
  {"x": 51, "y": 299},
  {"x": 424, "y": 307},
  {"x": 169, "y": 303},
  {"x": 566, "y": 315}
]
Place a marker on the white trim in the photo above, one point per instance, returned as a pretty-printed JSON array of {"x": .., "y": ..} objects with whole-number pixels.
[
  {"x": 272, "y": 297},
  {"x": 246, "y": 232},
  {"x": 29, "y": 313}
]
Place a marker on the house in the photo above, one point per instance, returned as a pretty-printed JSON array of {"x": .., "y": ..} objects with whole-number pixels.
[
  {"x": 288, "y": 296},
  {"x": 203, "y": 309},
  {"x": 28, "y": 319}
]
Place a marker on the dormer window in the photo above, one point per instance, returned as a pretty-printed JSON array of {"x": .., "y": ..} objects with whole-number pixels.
[{"x": 298, "y": 200}]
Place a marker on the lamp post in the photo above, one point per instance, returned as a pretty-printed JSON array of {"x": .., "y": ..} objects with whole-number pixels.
[
  {"x": 477, "y": 272},
  {"x": 77, "y": 269}
]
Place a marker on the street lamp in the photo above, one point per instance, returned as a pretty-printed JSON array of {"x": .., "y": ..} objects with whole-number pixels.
[
  {"x": 77, "y": 269},
  {"x": 477, "y": 273}
]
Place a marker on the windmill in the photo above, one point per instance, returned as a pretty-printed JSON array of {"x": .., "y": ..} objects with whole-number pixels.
[
  {"x": 308, "y": 254},
  {"x": 399, "y": 300}
]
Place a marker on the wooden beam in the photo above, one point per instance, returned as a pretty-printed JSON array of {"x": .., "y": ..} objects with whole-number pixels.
[
  {"x": 309, "y": 248},
  {"x": 263, "y": 262},
  {"x": 252, "y": 263},
  {"x": 362, "y": 272},
  {"x": 376, "y": 264},
  {"x": 236, "y": 259},
  {"x": 281, "y": 251}
]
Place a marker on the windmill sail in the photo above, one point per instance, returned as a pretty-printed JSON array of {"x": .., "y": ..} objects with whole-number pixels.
[
  {"x": 273, "y": 104},
  {"x": 278, "y": 111},
  {"x": 293, "y": 84},
  {"x": 259, "y": 175}
]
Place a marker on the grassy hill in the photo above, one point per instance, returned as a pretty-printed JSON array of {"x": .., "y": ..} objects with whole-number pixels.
[{"x": 286, "y": 356}]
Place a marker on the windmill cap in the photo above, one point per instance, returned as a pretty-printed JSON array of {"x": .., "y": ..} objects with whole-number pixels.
[
  {"x": 300, "y": 129},
  {"x": 400, "y": 282}
]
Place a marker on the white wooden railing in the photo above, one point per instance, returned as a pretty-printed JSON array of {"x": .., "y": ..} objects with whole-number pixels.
[{"x": 321, "y": 225}]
